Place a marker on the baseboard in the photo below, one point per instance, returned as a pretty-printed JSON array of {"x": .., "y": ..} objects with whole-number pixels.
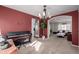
[{"x": 75, "y": 45}]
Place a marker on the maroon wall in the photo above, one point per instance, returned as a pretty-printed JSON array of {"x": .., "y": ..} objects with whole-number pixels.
[
  {"x": 74, "y": 26},
  {"x": 12, "y": 20},
  {"x": 78, "y": 27},
  {"x": 41, "y": 33},
  {"x": 74, "y": 15}
]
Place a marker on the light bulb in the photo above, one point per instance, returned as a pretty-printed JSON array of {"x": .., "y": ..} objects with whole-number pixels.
[
  {"x": 43, "y": 13},
  {"x": 39, "y": 15}
]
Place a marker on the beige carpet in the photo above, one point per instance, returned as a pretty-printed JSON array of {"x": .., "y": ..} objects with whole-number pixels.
[{"x": 53, "y": 45}]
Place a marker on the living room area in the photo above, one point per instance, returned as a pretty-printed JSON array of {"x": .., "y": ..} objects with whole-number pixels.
[
  {"x": 61, "y": 27},
  {"x": 29, "y": 29}
]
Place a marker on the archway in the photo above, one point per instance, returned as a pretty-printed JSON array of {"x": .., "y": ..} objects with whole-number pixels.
[
  {"x": 59, "y": 23},
  {"x": 74, "y": 15}
]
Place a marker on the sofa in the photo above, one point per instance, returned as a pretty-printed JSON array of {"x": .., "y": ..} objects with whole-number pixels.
[{"x": 61, "y": 33}]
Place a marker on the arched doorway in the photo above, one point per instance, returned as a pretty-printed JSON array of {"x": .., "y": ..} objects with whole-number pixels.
[
  {"x": 59, "y": 23},
  {"x": 74, "y": 15}
]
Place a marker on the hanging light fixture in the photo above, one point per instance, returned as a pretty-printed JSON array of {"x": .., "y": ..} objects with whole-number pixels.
[{"x": 44, "y": 14}]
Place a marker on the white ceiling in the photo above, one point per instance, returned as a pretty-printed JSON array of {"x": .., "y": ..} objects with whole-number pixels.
[
  {"x": 61, "y": 19},
  {"x": 51, "y": 9}
]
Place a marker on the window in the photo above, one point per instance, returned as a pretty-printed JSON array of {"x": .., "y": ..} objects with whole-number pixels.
[
  {"x": 62, "y": 27},
  {"x": 67, "y": 27}
]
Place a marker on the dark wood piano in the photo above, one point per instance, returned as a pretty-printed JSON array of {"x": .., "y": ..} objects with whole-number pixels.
[
  {"x": 19, "y": 35},
  {"x": 20, "y": 38}
]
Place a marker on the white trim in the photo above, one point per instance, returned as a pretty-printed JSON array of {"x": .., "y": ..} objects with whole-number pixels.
[
  {"x": 75, "y": 45},
  {"x": 32, "y": 28},
  {"x": 48, "y": 28}
]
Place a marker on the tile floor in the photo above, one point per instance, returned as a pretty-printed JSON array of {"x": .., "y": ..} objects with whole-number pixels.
[{"x": 53, "y": 45}]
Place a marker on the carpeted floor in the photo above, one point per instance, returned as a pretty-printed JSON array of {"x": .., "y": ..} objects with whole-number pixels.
[{"x": 53, "y": 45}]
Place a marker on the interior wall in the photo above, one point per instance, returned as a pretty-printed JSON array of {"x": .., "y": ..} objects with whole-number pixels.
[
  {"x": 78, "y": 27},
  {"x": 74, "y": 27},
  {"x": 54, "y": 27},
  {"x": 12, "y": 20},
  {"x": 41, "y": 30},
  {"x": 74, "y": 15}
]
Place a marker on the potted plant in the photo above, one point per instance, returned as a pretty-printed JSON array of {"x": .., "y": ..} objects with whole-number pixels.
[{"x": 43, "y": 26}]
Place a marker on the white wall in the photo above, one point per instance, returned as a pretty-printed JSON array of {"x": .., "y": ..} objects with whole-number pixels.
[
  {"x": 54, "y": 27},
  {"x": 69, "y": 27}
]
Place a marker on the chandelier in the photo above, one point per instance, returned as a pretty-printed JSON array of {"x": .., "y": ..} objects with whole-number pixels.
[{"x": 44, "y": 14}]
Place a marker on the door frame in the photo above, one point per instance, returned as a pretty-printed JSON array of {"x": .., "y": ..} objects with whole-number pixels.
[
  {"x": 48, "y": 31},
  {"x": 32, "y": 26}
]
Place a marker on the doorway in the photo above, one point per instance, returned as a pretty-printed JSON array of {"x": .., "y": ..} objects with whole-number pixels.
[
  {"x": 35, "y": 27},
  {"x": 59, "y": 26}
]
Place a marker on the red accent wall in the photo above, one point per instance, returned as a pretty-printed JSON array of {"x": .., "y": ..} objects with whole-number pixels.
[
  {"x": 74, "y": 15},
  {"x": 78, "y": 27},
  {"x": 41, "y": 30},
  {"x": 12, "y": 20},
  {"x": 74, "y": 27}
]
